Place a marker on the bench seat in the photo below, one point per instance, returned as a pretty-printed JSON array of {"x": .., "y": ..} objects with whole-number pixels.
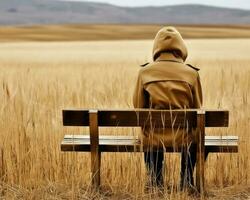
[{"x": 111, "y": 143}]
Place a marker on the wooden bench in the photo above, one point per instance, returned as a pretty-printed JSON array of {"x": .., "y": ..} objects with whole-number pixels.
[{"x": 96, "y": 144}]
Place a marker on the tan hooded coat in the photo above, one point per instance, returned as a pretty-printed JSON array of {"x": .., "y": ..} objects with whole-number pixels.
[{"x": 168, "y": 83}]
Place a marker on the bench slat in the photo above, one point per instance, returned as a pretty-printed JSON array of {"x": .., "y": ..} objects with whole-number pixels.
[
  {"x": 147, "y": 118},
  {"x": 133, "y": 118},
  {"x": 214, "y": 144}
]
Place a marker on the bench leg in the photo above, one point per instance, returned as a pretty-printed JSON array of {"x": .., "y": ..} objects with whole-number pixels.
[
  {"x": 200, "y": 178},
  {"x": 95, "y": 169},
  {"x": 95, "y": 153},
  {"x": 200, "y": 153}
]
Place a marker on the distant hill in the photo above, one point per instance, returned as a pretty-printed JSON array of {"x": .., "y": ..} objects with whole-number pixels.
[{"x": 29, "y": 12}]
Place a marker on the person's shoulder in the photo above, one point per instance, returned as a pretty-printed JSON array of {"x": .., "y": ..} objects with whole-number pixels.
[
  {"x": 192, "y": 67},
  {"x": 193, "y": 71},
  {"x": 145, "y": 67},
  {"x": 144, "y": 64}
]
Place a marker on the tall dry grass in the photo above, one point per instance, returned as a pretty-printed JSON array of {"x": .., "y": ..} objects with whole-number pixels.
[{"x": 38, "y": 80}]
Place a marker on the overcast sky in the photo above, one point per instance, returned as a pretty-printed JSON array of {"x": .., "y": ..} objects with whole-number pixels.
[{"x": 245, "y": 4}]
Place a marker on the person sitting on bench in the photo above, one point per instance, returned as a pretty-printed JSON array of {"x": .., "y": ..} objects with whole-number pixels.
[{"x": 168, "y": 83}]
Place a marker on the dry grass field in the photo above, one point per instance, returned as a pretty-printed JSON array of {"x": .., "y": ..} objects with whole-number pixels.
[
  {"x": 79, "y": 32},
  {"x": 38, "y": 80}
]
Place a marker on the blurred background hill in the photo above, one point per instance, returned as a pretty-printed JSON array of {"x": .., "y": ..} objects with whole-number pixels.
[{"x": 29, "y": 12}]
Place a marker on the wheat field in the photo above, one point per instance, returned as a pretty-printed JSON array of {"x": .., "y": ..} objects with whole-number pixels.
[
  {"x": 38, "y": 80},
  {"x": 94, "y": 32}
]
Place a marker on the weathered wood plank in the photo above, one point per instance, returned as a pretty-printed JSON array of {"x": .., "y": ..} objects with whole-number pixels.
[
  {"x": 75, "y": 117},
  {"x": 217, "y": 118},
  {"x": 131, "y": 137},
  {"x": 150, "y": 119},
  {"x": 146, "y": 117},
  {"x": 213, "y": 144}
]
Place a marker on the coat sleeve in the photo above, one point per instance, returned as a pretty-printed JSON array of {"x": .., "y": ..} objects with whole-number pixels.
[
  {"x": 139, "y": 97},
  {"x": 197, "y": 93}
]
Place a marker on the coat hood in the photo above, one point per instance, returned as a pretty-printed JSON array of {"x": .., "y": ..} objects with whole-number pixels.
[{"x": 169, "y": 40}]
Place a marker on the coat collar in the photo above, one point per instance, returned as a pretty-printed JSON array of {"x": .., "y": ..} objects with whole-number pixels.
[{"x": 168, "y": 57}]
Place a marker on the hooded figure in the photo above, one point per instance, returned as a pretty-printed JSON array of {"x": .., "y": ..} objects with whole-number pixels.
[{"x": 168, "y": 83}]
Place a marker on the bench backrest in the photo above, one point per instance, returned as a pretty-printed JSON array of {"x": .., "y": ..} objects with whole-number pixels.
[{"x": 146, "y": 117}]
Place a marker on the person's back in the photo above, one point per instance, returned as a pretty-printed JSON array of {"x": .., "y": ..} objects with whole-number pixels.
[{"x": 167, "y": 83}]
